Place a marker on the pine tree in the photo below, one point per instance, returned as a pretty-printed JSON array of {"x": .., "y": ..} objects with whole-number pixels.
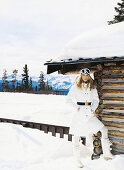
[
  {"x": 120, "y": 16},
  {"x": 5, "y": 84},
  {"x": 41, "y": 82},
  {"x": 13, "y": 81},
  {"x": 25, "y": 82},
  {"x": 47, "y": 86},
  {"x": 31, "y": 88},
  {"x": 35, "y": 88}
]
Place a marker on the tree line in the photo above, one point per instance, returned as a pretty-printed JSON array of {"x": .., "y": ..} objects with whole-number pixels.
[{"x": 25, "y": 84}]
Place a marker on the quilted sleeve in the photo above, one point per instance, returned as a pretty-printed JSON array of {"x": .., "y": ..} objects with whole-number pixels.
[
  {"x": 95, "y": 100},
  {"x": 71, "y": 97}
]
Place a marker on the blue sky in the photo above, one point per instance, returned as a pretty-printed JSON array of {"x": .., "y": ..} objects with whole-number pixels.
[{"x": 34, "y": 31}]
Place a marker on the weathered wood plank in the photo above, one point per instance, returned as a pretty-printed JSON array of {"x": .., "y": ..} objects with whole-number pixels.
[
  {"x": 112, "y": 112},
  {"x": 116, "y": 140},
  {"x": 117, "y": 87},
  {"x": 113, "y": 80},
  {"x": 112, "y": 91},
  {"x": 112, "y": 77},
  {"x": 37, "y": 126},
  {"x": 112, "y": 106},
  {"x": 117, "y": 152},
  {"x": 61, "y": 133},
  {"x": 118, "y": 143},
  {"x": 116, "y": 133},
  {"x": 110, "y": 115},
  {"x": 113, "y": 95},
  {"x": 111, "y": 119},
  {"x": 112, "y": 83},
  {"x": 116, "y": 69},
  {"x": 113, "y": 98},
  {"x": 69, "y": 137},
  {"x": 44, "y": 128},
  {"x": 118, "y": 147},
  {"x": 114, "y": 102},
  {"x": 115, "y": 128},
  {"x": 113, "y": 124},
  {"x": 53, "y": 131}
]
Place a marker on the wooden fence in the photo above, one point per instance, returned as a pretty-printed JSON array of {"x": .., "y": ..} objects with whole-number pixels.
[
  {"x": 62, "y": 130},
  {"x": 53, "y": 92}
]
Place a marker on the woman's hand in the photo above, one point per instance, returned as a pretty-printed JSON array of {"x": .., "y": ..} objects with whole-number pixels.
[{"x": 78, "y": 109}]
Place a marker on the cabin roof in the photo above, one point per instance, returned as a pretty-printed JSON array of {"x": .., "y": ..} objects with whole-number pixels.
[{"x": 99, "y": 45}]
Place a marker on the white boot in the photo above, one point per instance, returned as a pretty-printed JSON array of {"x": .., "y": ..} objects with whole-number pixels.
[
  {"x": 77, "y": 158},
  {"x": 76, "y": 152},
  {"x": 106, "y": 149},
  {"x": 106, "y": 144}
]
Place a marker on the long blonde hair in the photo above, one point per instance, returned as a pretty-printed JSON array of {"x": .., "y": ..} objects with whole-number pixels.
[{"x": 80, "y": 83}]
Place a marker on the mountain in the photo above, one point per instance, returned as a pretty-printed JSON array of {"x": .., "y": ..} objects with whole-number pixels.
[{"x": 58, "y": 82}]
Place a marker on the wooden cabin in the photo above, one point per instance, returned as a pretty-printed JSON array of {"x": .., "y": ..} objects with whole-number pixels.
[{"x": 108, "y": 72}]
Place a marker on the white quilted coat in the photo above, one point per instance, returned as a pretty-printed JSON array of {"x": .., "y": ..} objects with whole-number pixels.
[{"x": 84, "y": 122}]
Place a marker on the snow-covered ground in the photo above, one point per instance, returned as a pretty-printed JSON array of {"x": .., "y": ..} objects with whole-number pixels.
[{"x": 30, "y": 149}]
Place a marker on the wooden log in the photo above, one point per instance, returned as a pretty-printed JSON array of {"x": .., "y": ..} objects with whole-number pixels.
[
  {"x": 112, "y": 83},
  {"x": 112, "y": 91},
  {"x": 116, "y": 140},
  {"x": 99, "y": 67},
  {"x": 116, "y": 133},
  {"x": 109, "y": 119},
  {"x": 115, "y": 129},
  {"x": 117, "y": 87},
  {"x": 113, "y": 98},
  {"x": 116, "y": 151},
  {"x": 109, "y": 64},
  {"x": 113, "y": 124},
  {"x": 97, "y": 150},
  {"x": 118, "y": 147},
  {"x": 100, "y": 101},
  {"x": 97, "y": 143},
  {"x": 112, "y": 77},
  {"x": 110, "y": 116},
  {"x": 99, "y": 74},
  {"x": 99, "y": 81},
  {"x": 117, "y": 69},
  {"x": 112, "y": 106},
  {"x": 118, "y": 143}
]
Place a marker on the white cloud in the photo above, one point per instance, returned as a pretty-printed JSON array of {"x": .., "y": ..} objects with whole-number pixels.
[{"x": 33, "y": 31}]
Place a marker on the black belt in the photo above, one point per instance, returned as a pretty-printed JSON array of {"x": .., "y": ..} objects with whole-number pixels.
[{"x": 84, "y": 103}]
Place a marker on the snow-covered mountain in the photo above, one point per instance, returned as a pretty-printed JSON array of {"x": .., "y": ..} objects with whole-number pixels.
[{"x": 58, "y": 82}]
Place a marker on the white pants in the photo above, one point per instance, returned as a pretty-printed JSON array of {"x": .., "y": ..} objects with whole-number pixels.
[{"x": 104, "y": 140}]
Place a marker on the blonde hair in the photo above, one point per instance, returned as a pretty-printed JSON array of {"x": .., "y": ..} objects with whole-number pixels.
[{"x": 79, "y": 82}]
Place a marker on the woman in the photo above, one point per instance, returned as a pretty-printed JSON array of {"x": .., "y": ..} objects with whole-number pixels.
[{"x": 84, "y": 98}]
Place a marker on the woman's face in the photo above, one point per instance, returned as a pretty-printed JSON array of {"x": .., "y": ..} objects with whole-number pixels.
[{"x": 85, "y": 77}]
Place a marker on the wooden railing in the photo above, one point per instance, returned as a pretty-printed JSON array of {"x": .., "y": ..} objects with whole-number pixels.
[
  {"x": 62, "y": 130},
  {"x": 54, "y": 129},
  {"x": 54, "y": 92}
]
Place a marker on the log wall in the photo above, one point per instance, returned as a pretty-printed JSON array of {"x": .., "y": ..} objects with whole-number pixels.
[{"x": 110, "y": 80}]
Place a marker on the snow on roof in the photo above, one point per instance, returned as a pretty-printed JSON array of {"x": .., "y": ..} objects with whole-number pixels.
[{"x": 103, "y": 42}]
